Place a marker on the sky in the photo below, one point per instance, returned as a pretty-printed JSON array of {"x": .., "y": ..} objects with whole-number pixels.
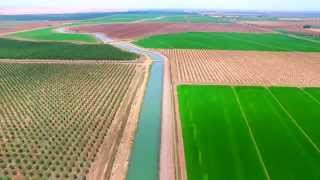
[{"x": 47, "y": 6}]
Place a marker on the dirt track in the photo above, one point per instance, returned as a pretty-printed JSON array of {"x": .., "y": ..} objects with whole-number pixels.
[
  {"x": 244, "y": 68},
  {"x": 139, "y": 30}
]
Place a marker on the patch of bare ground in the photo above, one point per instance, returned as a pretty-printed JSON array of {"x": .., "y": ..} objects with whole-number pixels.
[
  {"x": 244, "y": 67},
  {"x": 138, "y": 30},
  {"x": 291, "y": 26}
]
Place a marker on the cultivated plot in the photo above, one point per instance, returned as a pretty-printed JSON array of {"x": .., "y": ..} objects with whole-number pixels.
[
  {"x": 140, "y": 30},
  {"x": 230, "y": 41},
  {"x": 56, "y": 118},
  {"x": 9, "y": 27},
  {"x": 16, "y": 49},
  {"x": 248, "y": 133},
  {"x": 49, "y": 34},
  {"x": 244, "y": 67}
]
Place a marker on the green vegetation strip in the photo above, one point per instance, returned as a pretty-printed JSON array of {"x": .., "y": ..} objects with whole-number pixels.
[
  {"x": 246, "y": 133},
  {"x": 230, "y": 41},
  {"x": 49, "y": 34},
  {"x": 193, "y": 19},
  {"x": 14, "y": 49}
]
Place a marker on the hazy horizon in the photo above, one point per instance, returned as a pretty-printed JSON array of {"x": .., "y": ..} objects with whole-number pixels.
[{"x": 73, "y": 6}]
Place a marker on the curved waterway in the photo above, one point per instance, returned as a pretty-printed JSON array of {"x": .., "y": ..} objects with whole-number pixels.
[{"x": 144, "y": 162}]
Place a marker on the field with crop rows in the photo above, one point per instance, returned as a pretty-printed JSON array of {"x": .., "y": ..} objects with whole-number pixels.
[
  {"x": 250, "y": 132},
  {"x": 49, "y": 34},
  {"x": 55, "y": 117},
  {"x": 142, "y": 30},
  {"x": 244, "y": 67},
  {"x": 230, "y": 41},
  {"x": 15, "y": 49}
]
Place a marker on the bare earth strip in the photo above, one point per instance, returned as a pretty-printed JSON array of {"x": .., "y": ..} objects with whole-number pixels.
[{"x": 244, "y": 67}]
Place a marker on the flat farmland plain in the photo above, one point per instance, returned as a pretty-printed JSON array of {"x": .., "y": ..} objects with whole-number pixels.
[
  {"x": 142, "y": 30},
  {"x": 244, "y": 67},
  {"x": 58, "y": 121},
  {"x": 230, "y": 41},
  {"x": 49, "y": 34},
  {"x": 250, "y": 132},
  {"x": 9, "y": 27},
  {"x": 16, "y": 49}
]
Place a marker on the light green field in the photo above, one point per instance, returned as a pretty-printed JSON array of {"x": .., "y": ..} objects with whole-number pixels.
[
  {"x": 49, "y": 34},
  {"x": 193, "y": 19},
  {"x": 229, "y": 41},
  {"x": 250, "y": 133},
  {"x": 118, "y": 18}
]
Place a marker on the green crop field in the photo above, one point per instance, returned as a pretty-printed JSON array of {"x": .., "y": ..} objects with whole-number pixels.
[
  {"x": 54, "y": 118},
  {"x": 251, "y": 133},
  {"x": 49, "y": 34},
  {"x": 193, "y": 19},
  {"x": 15, "y": 49},
  {"x": 118, "y": 18},
  {"x": 230, "y": 41}
]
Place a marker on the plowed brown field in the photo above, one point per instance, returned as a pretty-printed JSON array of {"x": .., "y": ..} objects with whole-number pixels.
[
  {"x": 292, "y": 26},
  {"x": 138, "y": 30},
  {"x": 7, "y": 29},
  {"x": 244, "y": 68}
]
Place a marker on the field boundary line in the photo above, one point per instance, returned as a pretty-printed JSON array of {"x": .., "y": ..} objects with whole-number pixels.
[
  {"x": 251, "y": 134},
  {"x": 294, "y": 121},
  {"x": 310, "y": 95}
]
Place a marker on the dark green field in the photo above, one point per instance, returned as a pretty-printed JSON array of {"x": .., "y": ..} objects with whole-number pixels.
[
  {"x": 14, "y": 49},
  {"x": 230, "y": 41},
  {"x": 250, "y": 133}
]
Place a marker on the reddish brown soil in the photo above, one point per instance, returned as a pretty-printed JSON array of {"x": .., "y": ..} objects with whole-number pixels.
[
  {"x": 291, "y": 26},
  {"x": 244, "y": 68},
  {"x": 28, "y": 26},
  {"x": 138, "y": 30}
]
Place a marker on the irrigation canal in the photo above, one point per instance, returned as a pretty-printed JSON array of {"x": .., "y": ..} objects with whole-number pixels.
[{"x": 144, "y": 162}]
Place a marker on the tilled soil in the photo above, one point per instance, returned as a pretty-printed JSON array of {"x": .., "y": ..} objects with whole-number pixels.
[
  {"x": 291, "y": 26},
  {"x": 244, "y": 67},
  {"x": 139, "y": 30}
]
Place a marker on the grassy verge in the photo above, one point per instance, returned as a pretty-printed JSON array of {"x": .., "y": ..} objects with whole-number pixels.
[
  {"x": 230, "y": 41},
  {"x": 15, "y": 49},
  {"x": 249, "y": 132},
  {"x": 49, "y": 34}
]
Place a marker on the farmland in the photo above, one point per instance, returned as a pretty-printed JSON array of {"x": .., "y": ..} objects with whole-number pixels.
[
  {"x": 15, "y": 49},
  {"x": 61, "y": 139},
  {"x": 250, "y": 132},
  {"x": 9, "y": 27},
  {"x": 244, "y": 67},
  {"x": 230, "y": 41},
  {"x": 141, "y": 30},
  {"x": 193, "y": 19},
  {"x": 49, "y": 34},
  {"x": 120, "y": 18}
]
